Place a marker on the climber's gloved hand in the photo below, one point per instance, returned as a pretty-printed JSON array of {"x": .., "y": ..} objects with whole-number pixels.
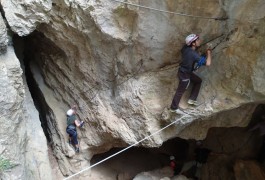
[{"x": 82, "y": 123}]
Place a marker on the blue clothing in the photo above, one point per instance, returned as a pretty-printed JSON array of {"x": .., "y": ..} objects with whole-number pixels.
[
  {"x": 189, "y": 58},
  {"x": 201, "y": 62},
  {"x": 71, "y": 129},
  {"x": 73, "y": 135}
]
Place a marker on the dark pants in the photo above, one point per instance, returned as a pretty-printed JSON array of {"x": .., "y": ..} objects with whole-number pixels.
[
  {"x": 184, "y": 81},
  {"x": 73, "y": 135}
]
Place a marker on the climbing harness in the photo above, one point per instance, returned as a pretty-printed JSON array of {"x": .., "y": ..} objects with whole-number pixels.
[
  {"x": 170, "y": 12},
  {"x": 119, "y": 152}
]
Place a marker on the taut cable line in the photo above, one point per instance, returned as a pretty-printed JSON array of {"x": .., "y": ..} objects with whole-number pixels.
[
  {"x": 158, "y": 131},
  {"x": 170, "y": 12},
  {"x": 115, "y": 154}
]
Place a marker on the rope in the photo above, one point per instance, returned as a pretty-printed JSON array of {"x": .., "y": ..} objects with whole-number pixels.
[
  {"x": 211, "y": 40},
  {"x": 115, "y": 154},
  {"x": 170, "y": 12},
  {"x": 187, "y": 115}
]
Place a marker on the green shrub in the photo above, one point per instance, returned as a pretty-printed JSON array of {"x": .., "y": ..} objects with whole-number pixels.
[{"x": 5, "y": 164}]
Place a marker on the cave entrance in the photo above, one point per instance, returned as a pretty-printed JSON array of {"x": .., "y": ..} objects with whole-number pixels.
[
  {"x": 33, "y": 51},
  {"x": 228, "y": 148},
  {"x": 138, "y": 159}
]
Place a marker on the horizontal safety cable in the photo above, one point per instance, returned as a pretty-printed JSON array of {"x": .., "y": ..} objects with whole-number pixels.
[
  {"x": 170, "y": 12},
  {"x": 115, "y": 154}
]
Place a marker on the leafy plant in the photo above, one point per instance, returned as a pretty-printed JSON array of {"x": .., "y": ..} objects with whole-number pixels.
[{"x": 5, "y": 164}]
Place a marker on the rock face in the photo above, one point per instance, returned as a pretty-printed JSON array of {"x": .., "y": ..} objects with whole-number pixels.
[
  {"x": 118, "y": 63},
  {"x": 3, "y": 36},
  {"x": 248, "y": 170},
  {"x": 22, "y": 139},
  {"x": 155, "y": 175}
]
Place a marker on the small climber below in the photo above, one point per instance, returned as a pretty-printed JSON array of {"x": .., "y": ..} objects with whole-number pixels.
[
  {"x": 174, "y": 165},
  {"x": 201, "y": 156},
  {"x": 72, "y": 123},
  {"x": 191, "y": 61}
]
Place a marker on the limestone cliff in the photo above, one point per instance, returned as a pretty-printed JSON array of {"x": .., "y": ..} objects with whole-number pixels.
[{"x": 118, "y": 63}]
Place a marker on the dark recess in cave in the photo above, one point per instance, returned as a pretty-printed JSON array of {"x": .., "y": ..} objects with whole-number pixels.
[
  {"x": 233, "y": 143},
  {"x": 24, "y": 50}
]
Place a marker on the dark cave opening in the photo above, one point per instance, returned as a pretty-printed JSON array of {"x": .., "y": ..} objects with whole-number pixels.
[
  {"x": 23, "y": 50},
  {"x": 226, "y": 145},
  {"x": 139, "y": 159}
]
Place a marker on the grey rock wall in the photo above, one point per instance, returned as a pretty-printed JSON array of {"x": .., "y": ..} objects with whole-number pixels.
[
  {"x": 3, "y": 36},
  {"x": 118, "y": 63},
  {"x": 22, "y": 139}
]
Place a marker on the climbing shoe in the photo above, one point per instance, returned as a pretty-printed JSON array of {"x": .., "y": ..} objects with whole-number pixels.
[
  {"x": 192, "y": 102},
  {"x": 77, "y": 150},
  {"x": 177, "y": 111}
]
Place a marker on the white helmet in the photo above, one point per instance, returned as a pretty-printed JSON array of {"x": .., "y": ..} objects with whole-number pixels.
[
  {"x": 190, "y": 38},
  {"x": 70, "y": 112},
  {"x": 171, "y": 158}
]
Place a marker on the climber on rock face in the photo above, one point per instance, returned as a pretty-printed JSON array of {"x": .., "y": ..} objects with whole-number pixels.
[
  {"x": 176, "y": 166},
  {"x": 172, "y": 163},
  {"x": 191, "y": 60},
  {"x": 72, "y": 123}
]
